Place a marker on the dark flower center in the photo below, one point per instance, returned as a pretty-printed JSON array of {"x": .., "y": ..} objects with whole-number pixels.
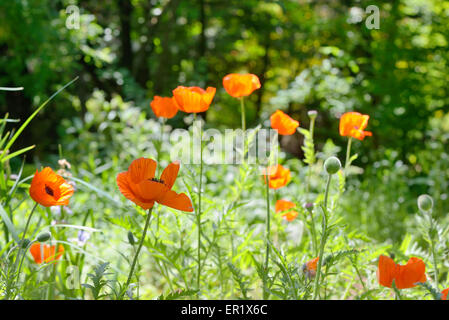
[
  {"x": 157, "y": 180},
  {"x": 49, "y": 190}
]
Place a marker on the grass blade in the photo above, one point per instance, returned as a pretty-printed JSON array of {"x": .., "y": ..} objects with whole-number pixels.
[{"x": 25, "y": 124}]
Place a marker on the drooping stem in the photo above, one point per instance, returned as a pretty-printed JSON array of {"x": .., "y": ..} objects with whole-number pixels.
[
  {"x": 24, "y": 235},
  {"x": 28, "y": 222},
  {"x": 198, "y": 215},
  {"x": 348, "y": 154},
  {"x": 432, "y": 247},
  {"x": 267, "y": 252},
  {"x": 133, "y": 265},
  {"x": 323, "y": 239}
]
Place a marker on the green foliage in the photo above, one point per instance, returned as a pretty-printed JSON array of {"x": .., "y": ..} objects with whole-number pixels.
[{"x": 308, "y": 56}]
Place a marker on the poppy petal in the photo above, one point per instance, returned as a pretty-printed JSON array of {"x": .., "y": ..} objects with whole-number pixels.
[
  {"x": 170, "y": 174},
  {"x": 142, "y": 169},
  {"x": 179, "y": 201},
  {"x": 386, "y": 271}
]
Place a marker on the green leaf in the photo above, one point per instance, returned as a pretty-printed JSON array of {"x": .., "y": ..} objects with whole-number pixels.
[{"x": 9, "y": 224}]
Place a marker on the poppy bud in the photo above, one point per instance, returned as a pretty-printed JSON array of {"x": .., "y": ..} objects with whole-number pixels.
[
  {"x": 312, "y": 114},
  {"x": 309, "y": 206},
  {"x": 24, "y": 243},
  {"x": 425, "y": 202},
  {"x": 44, "y": 236},
  {"x": 131, "y": 238},
  {"x": 332, "y": 165}
]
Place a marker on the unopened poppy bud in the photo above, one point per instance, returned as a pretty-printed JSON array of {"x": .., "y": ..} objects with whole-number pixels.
[
  {"x": 425, "y": 202},
  {"x": 309, "y": 206},
  {"x": 332, "y": 165},
  {"x": 44, "y": 236},
  {"x": 312, "y": 114},
  {"x": 24, "y": 243},
  {"x": 131, "y": 238}
]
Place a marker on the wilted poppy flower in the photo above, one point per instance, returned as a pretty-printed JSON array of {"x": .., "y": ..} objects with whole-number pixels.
[
  {"x": 352, "y": 124},
  {"x": 444, "y": 294},
  {"x": 309, "y": 268},
  {"x": 240, "y": 85},
  {"x": 139, "y": 185},
  {"x": 283, "y": 124},
  {"x": 45, "y": 253},
  {"x": 404, "y": 277},
  {"x": 164, "y": 107},
  {"x": 284, "y": 206},
  {"x": 278, "y": 176},
  {"x": 50, "y": 189},
  {"x": 193, "y": 99}
]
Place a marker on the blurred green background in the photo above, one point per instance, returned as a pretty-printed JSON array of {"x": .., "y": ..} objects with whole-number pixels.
[{"x": 308, "y": 55}]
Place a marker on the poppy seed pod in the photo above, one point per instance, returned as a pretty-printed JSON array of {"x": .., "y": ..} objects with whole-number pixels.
[
  {"x": 425, "y": 202},
  {"x": 44, "y": 236},
  {"x": 131, "y": 239},
  {"x": 332, "y": 165},
  {"x": 24, "y": 243}
]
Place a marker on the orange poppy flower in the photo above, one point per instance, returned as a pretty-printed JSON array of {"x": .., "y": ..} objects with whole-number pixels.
[
  {"x": 278, "y": 176},
  {"x": 405, "y": 276},
  {"x": 139, "y": 185},
  {"x": 283, "y": 124},
  {"x": 50, "y": 189},
  {"x": 44, "y": 253},
  {"x": 444, "y": 294},
  {"x": 284, "y": 207},
  {"x": 193, "y": 99},
  {"x": 240, "y": 85},
  {"x": 310, "y": 266},
  {"x": 164, "y": 107},
  {"x": 352, "y": 124}
]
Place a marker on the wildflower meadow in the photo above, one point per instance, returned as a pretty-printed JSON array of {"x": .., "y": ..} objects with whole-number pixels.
[{"x": 255, "y": 150}]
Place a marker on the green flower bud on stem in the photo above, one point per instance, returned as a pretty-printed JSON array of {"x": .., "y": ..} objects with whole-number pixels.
[
  {"x": 131, "y": 238},
  {"x": 425, "y": 202},
  {"x": 312, "y": 114},
  {"x": 44, "y": 236},
  {"x": 332, "y": 165}
]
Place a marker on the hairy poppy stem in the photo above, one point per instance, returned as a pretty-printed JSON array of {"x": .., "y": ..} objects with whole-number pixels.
[
  {"x": 267, "y": 253},
  {"x": 198, "y": 216},
  {"x": 21, "y": 250},
  {"x": 323, "y": 239},
  {"x": 348, "y": 154},
  {"x": 159, "y": 149},
  {"x": 28, "y": 222},
  {"x": 242, "y": 105},
  {"x": 133, "y": 265},
  {"x": 432, "y": 247}
]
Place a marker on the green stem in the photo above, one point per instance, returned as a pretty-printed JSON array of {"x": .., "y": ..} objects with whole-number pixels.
[
  {"x": 242, "y": 107},
  {"x": 133, "y": 265},
  {"x": 267, "y": 253},
  {"x": 312, "y": 227},
  {"x": 348, "y": 154},
  {"x": 21, "y": 250},
  {"x": 28, "y": 222},
  {"x": 323, "y": 240},
  {"x": 434, "y": 256},
  {"x": 159, "y": 149},
  {"x": 198, "y": 216}
]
